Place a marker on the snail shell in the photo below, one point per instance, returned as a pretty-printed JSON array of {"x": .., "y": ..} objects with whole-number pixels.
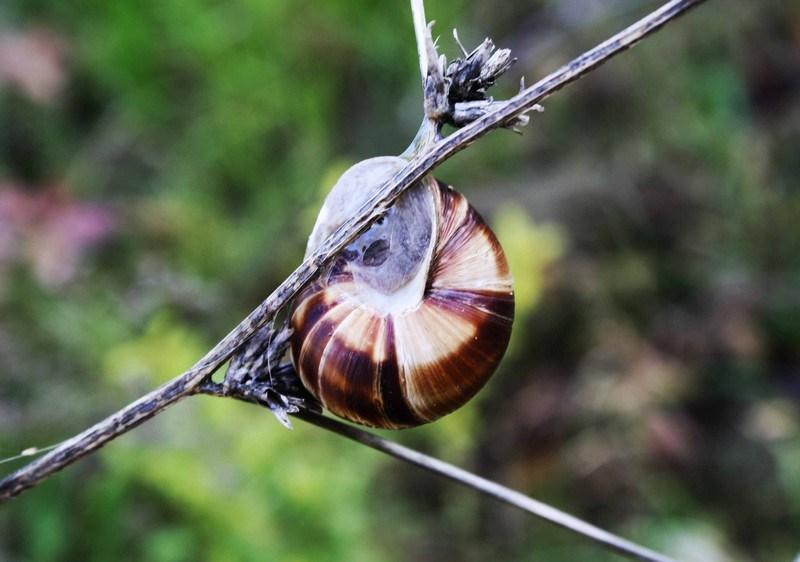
[{"x": 413, "y": 317}]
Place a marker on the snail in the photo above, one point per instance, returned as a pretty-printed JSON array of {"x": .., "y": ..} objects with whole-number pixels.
[{"x": 412, "y": 318}]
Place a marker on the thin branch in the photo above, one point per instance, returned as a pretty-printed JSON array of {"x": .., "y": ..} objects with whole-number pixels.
[
  {"x": 456, "y": 474},
  {"x": 420, "y": 33},
  {"x": 488, "y": 487},
  {"x": 187, "y": 383}
]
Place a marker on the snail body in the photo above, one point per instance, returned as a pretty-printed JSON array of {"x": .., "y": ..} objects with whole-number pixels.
[{"x": 413, "y": 317}]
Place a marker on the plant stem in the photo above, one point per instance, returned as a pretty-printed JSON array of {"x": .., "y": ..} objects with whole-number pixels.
[
  {"x": 420, "y": 32},
  {"x": 456, "y": 474}
]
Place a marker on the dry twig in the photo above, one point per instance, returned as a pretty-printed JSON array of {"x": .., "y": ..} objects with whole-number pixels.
[{"x": 254, "y": 395}]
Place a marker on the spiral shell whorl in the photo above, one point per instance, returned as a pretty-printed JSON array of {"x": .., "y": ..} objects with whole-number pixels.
[{"x": 408, "y": 367}]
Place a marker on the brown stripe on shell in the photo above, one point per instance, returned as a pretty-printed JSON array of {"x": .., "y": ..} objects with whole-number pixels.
[
  {"x": 349, "y": 385},
  {"x": 397, "y": 412},
  {"x": 313, "y": 303},
  {"x": 499, "y": 306},
  {"x": 312, "y": 306},
  {"x": 309, "y": 358},
  {"x": 463, "y": 366},
  {"x": 360, "y": 377},
  {"x": 424, "y": 336},
  {"x": 468, "y": 254}
]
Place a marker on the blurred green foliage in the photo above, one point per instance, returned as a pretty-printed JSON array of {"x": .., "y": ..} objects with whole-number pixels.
[{"x": 161, "y": 163}]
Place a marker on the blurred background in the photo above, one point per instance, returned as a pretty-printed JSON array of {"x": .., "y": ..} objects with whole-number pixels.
[{"x": 162, "y": 161}]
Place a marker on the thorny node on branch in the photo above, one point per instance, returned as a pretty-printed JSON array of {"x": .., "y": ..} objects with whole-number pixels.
[
  {"x": 470, "y": 77},
  {"x": 259, "y": 370},
  {"x": 456, "y": 93}
]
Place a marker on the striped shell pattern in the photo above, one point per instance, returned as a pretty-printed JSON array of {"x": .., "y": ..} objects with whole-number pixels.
[{"x": 392, "y": 366}]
